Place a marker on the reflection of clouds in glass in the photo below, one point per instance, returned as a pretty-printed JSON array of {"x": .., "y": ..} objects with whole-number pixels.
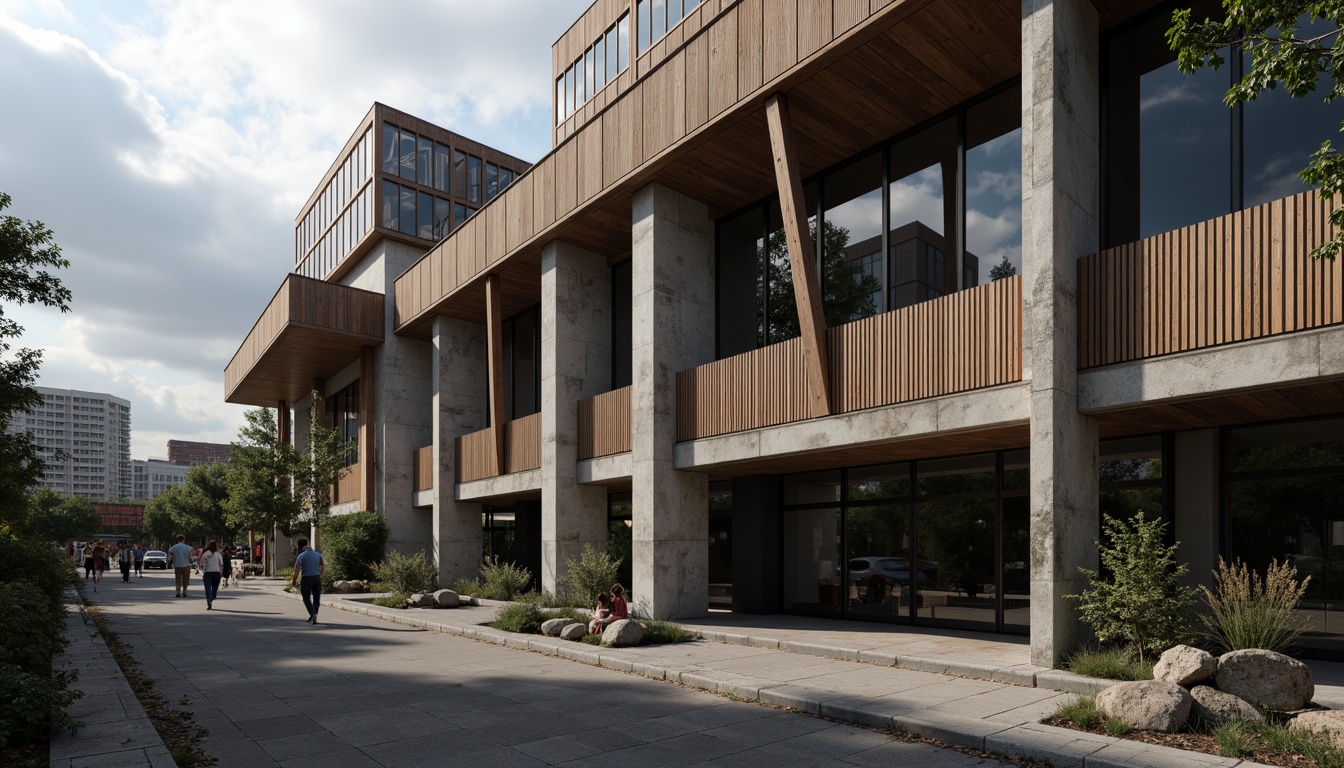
[
  {"x": 1276, "y": 179},
  {"x": 919, "y": 197},
  {"x": 985, "y": 233},
  {"x": 1007, "y": 185},
  {"x": 1162, "y": 93},
  {"x": 862, "y": 216},
  {"x": 1011, "y": 140}
]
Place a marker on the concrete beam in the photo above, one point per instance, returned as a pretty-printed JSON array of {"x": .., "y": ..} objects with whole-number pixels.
[{"x": 494, "y": 328}]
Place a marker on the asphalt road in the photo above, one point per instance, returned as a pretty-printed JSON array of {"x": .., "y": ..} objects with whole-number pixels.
[{"x": 357, "y": 691}]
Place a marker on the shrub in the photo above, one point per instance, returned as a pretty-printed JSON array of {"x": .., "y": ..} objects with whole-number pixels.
[
  {"x": 520, "y": 617},
  {"x": 503, "y": 581},
  {"x": 30, "y": 644},
  {"x": 1081, "y": 711},
  {"x": 592, "y": 572},
  {"x": 468, "y": 587},
  {"x": 659, "y": 631},
  {"x": 1112, "y": 663},
  {"x": 397, "y": 600},
  {"x": 353, "y": 543},
  {"x": 33, "y": 703},
  {"x": 284, "y": 573},
  {"x": 416, "y": 573},
  {"x": 552, "y": 600},
  {"x": 1137, "y": 599},
  {"x": 1249, "y": 611}
]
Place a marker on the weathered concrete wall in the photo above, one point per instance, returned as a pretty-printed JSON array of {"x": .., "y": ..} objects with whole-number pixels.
[
  {"x": 673, "y": 329},
  {"x": 1060, "y": 141},
  {"x": 575, "y": 364},
  {"x": 459, "y": 368},
  {"x": 1197, "y": 502}
]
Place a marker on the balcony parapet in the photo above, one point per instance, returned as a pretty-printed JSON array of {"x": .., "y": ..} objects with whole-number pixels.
[
  {"x": 604, "y": 424},
  {"x": 522, "y": 450},
  {"x": 1247, "y": 275}
]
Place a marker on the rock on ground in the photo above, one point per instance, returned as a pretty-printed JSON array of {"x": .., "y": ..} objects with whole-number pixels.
[
  {"x": 1266, "y": 679},
  {"x": 1185, "y": 665},
  {"x": 574, "y": 630},
  {"x": 446, "y": 598},
  {"x": 420, "y": 600},
  {"x": 1216, "y": 707},
  {"x": 552, "y": 627},
  {"x": 622, "y": 633},
  {"x": 1328, "y": 723},
  {"x": 1147, "y": 705}
]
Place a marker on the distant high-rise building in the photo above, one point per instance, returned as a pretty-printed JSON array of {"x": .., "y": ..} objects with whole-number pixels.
[
  {"x": 191, "y": 453},
  {"x": 154, "y": 476},
  {"x": 85, "y": 440}
]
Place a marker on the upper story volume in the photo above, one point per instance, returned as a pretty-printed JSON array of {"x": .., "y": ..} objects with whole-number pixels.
[{"x": 397, "y": 177}]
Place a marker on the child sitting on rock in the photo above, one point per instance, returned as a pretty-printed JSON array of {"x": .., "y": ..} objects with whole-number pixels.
[
  {"x": 619, "y": 610},
  {"x": 601, "y": 615}
]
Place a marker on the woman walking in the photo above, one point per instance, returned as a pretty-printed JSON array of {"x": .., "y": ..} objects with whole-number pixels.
[
  {"x": 211, "y": 566},
  {"x": 88, "y": 560},
  {"x": 99, "y": 564}
]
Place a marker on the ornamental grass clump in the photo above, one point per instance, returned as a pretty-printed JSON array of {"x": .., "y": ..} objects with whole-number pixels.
[
  {"x": 1247, "y": 610},
  {"x": 1137, "y": 598},
  {"x": 403, "y": 574},
  {"x": 503, "y": 580}
]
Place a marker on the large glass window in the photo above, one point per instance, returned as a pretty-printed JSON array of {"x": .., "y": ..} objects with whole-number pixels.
[
  {"x": 993, "y": 187},
  {"x": 522, "y": 364},
  {"x": 623, "y": 43},
  {"x": 922, "y": 169},
  {"x": 622, "y": 359},
  {"x": 491, "y": 181},
  {"x": 620, "y": 536},
  {"x": 851, "y": 242},
  {"x": 408, "y": 223},
  {"x": 443, "y": 169},
  {"x": 343, "y": 415},
  {"x": 1284, "y": 500},
  {"x": 391, "y": 149},
  {"x": 407, "y": 163},
  {"x": 424, "y": 161},
  {"x": 1132, "y": 479},
  {"x": 473, "y": 179},
  {"x": 460, "y": 172},
  {"x": 424, "y": 216}
]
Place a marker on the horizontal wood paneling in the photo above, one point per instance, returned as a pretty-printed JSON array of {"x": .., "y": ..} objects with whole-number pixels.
[
  {"x": 604, "y": 424},
  {"x": 968, "y": 340},
  {"x": 522, "y": 449},
  {"x": 424, "y": 468},
  {"x": 348, "y": 488},
  {"x": 1243, "y": 276}
]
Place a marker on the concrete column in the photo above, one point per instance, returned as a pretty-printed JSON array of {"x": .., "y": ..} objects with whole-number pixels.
[
  {"x": 575, "y": 364},
  {"x": 673, "y": 329},
  {"x": 1060, "y": 148},
  {"x": 459, "y": 408},
  {"x": 1198, "y": 519}
]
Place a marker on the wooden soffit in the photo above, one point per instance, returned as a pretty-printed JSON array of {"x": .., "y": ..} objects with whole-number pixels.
[{"x": 310, "y": 330}]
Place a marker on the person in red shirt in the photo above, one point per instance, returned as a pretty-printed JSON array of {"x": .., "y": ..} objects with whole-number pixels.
[{"x": 619, "y": 610}]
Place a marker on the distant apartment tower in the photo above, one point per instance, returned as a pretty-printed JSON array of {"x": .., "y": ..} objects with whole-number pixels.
[
  {"x": 85, "y": 440},
  {"x": 192, "y": 453},
  {"x": 154, "y": 476}
]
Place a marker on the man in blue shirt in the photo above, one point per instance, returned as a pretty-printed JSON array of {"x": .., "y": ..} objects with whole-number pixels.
[
  {"x": 181, "y": 557},
  {"x": 308, "y": 567}
]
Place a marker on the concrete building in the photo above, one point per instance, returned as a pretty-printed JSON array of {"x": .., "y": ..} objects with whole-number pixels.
[
  {"x": 639, "y": 344},
  {"x": 192, "y": 453},
  {"x": 84, "y": 439},
  {"x": 154, "y": 476}
]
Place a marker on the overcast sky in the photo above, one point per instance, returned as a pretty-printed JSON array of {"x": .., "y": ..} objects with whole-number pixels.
[{"x": 169, "y": 146}]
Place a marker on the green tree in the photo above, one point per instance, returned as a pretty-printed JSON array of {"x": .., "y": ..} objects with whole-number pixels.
[
  {"x": 353, "y": 544},
  {"x": 194, "y": 509},
  {"x": 1137, "y": 597},
  {"x": 1003, "y": 269},
  {"x": 847, "y": 290},
  {"x": 260, "y": 465},
  {"x": 27, "y": 250},
  {"x": 321, "y": 465},
  {"x": 56, "y": 517},
  {"x": 1268, "y": 30}
]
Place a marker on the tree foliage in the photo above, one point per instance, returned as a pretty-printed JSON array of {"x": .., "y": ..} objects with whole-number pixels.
[
  {"x": 260, "y": 464},
  {"x": 27, "y": 251},
  {"x": 847, "y": 291},
  {"x": 322, "y": 464},
  {"x": 1268, "y": 30},
  {"x": 56, "y": 517},
  {"x": 353, "y": 543},
  {"x": 194, "y": 509},
  {"x": 1003, "y": 269},
  {"x": 1137, "y": 598}
]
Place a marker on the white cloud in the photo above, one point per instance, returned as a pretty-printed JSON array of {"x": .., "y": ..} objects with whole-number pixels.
[{"x": 170, "y": 145}]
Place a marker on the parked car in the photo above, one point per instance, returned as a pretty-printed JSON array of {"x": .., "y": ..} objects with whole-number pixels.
[
  {"x": 896, "y": 570},
  {"x": 156, "y": 558}
]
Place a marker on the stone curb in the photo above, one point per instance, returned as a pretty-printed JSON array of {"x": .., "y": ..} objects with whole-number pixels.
[
  {"x": 1061, "y": 746},
  {"x": 123, "y": 723}
]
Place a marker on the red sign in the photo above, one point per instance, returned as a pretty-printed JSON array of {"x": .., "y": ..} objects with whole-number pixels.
[{"x": 120, "y": 515}]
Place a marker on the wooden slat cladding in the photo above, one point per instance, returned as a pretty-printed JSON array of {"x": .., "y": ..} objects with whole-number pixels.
[
  {"x": 522, "y": 450},
  {"x": 968, "y": 340},
  {"x": 348, "y": 488},
  {"x": 1243, "y": 276},
  {"x": 309, "y": 305},
  {"x": 424, "y": 468},
  {"x": 604, "y": 424}
]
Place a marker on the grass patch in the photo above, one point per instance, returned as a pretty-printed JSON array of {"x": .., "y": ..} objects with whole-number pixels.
[
  {"x": 397, "y": 600},
  {"x": 1233, "y": 740},
  {"x": 1081, "y": 712},
  {"x": 592, "y": 639},
  {"x": 1109, "y": 664},
  {"x": 1115, "y": 726},
  {"x": 659, "y": 631},
  {"x": 524, "y": 618}
]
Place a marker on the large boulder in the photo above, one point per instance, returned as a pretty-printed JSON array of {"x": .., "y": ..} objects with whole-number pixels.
[
  {"x": 1216, "y": 707},
  {"x": 446, "y": 598},
  {"x": 552, "y": 627},
  {"x": 623, "y": 632},
  {"x": 1147, "y": 705},
  {"x": 1266, "y": 679},
  {"x": 574, "y": 630},
  {"x": 1185, "y": 665},
  {"x": 420, "y": 600},
  {"x": 1328, "y": 723}
]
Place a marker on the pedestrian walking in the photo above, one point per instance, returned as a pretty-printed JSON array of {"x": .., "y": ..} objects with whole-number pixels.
[
  {"x": 88, "y": 560},
  {"x": 309, "y": 566},
  {"x": 126, "y": 561},
  {"x": 99, "y": 563},
  {"x": 227, "y": 558},
  {"x": 181, "y": 557},
  {"x": 211, "y": 563},
  {"x": 139, "y": 556}
]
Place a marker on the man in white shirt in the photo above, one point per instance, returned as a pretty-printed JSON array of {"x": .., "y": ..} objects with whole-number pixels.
[{"x": 181, "y": 556}]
